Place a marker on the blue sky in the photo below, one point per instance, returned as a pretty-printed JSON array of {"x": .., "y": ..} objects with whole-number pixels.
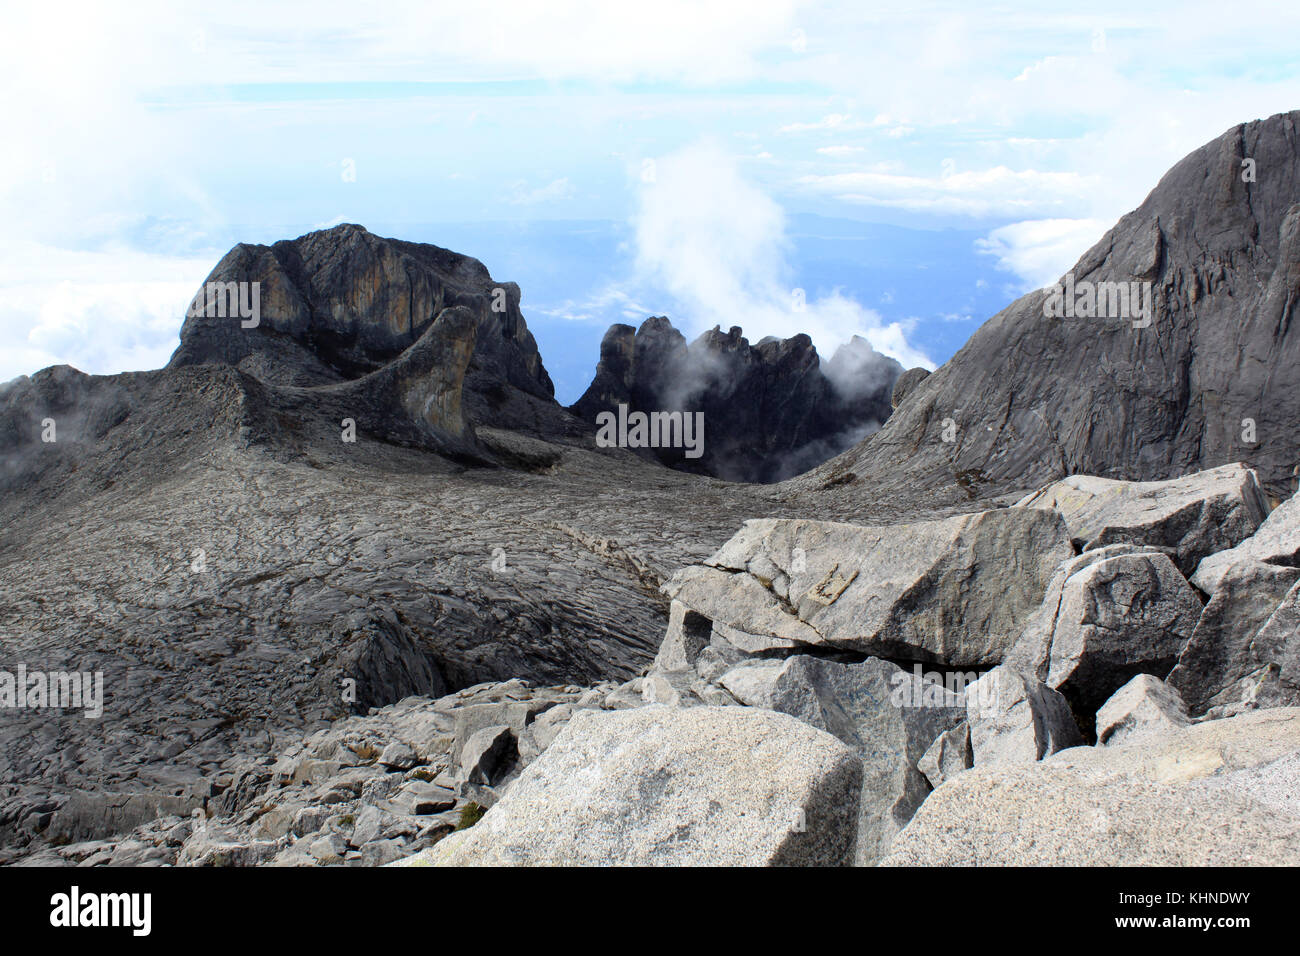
[{"x": 911, "y": 171}]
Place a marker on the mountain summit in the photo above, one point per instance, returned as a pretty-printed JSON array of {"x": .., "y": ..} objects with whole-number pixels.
[{"x": 1211, "y": 376}]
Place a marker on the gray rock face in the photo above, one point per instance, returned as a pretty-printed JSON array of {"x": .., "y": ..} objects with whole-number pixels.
[
  {"x": 250, "y": 578},
  {"x": 1108, "y": 614},
  {"x": 948, "y": 756},
  {"x": 1031, "y": 399},
  {"x": 1220, "y": 793},
  {"x": 1192, "y": 516},
  {"x": 1016, "y": 719},
  {"x": 87, "y": 816},
  {"x": 1276, "y": 541},
  {"x": 1144, "y": 709},
  {"x": 1230, "y": 656},
  {"x": 930, "y": 591},
  {"x": 906, "y": 384},
  {"x": 885, "y": 714},
  {"x": 770, "y": 410},
  {"x": 385, "y": 659},
  {"x": 399, "y": 755},
  {"x": 660, "y": 786},
  {"x": 488, "y": 755},
  {"x": 1278, "y": 643}
]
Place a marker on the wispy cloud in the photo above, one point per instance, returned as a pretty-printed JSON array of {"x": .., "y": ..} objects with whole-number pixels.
[
  {"x": 1038, "y": 252},
  {"x": 717, "y": 245},
  {"x": 993, "y": 192}
]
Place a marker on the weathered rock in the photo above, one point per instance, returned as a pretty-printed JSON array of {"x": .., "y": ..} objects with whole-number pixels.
[
  {"x": 1278, "y": 643},
  {"x": 1226, "y": 661},
  {"x": 341, "y": 303},
  {"x": 1107, "y": 615},
  {"x": 89, "y": 816},
  {"x": 274, "y": 823},
  {"x": 382, "y": 852},
  {"x": 367, "y": 827},
  {"x": 210, "y": 846},
  {"x": 906, "y": 384},
  {"x": 488, "y": 755},
  {"x": 515, "y": 713},
  {"x": 424, "y": 798},
  {"x": 328, "y": 787},
  {"x": 1193, "y": 516},
  {"x": 887, "y": 715},
  {"x": 328, "y": 849},
  {"x": 399, "y": 755},
  {"x": 1144, "y": 709},
  {"x": 659, "y": 785},
  {"x": 198, "y": 532},
  {"x": 935, "y": 590},
  {"x": 948, "y": 756},
  {"x": 542, "y": 731},
  {"x": 385, "y": 659},
  {"x": 1219, "y": 793},
  {"x": 1276, "y": 541},
  {"x": 688, "y": 634},
  {"x": 1014, "y": 719},
  {"x": 665, "y": 687}
]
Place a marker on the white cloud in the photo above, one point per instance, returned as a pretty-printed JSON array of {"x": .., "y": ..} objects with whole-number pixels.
[
  {"x": 1040, "y": 251},
  {"x": 697, "y": 41},
  {"x": 717, "y": 245},
  {"x": 597, "y": 308},
  {"x": 123, "y": 311}
]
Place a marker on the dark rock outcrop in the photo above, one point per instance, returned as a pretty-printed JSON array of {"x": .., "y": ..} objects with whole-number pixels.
[
  {"x": 1212, "y": 376},
  {"x": 341, "y": 304},
  {"x": 771, "y": 410}
]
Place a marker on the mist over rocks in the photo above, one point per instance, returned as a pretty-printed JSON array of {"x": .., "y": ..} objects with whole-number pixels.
[
  {"x": 771, "y": 410},
  {"x": 342, "y": 312}
]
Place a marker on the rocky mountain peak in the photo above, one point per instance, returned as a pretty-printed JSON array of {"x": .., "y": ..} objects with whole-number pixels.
[
  {"x": 341, "y": 303},
  {"x": 770, "y": 409},
  {"x": 1208, "y": 374}
]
